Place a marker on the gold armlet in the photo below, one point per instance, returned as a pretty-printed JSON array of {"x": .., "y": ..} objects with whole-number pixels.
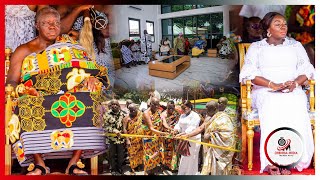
[{"x": 20, "y": 90}]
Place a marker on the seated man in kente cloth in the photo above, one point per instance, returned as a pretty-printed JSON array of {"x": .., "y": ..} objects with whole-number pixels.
[{"x": 60, "y": 95}]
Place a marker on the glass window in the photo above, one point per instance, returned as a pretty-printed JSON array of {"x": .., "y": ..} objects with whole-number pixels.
[
  {"x": 166, "y": 26},
  {"x": 176, "y": 8},
  {"x": 203, "y": 24},
  {"x": 203, "y": 6},
  {"x": 150, "y": 29},
  {"x": 178, "y": 26},
  {"x": 187, "y": 7},
  {"x": 134, "y": 27},
  {"x": 217, "y": 23},
  {"x": 189, "y": 28},
  {"x": 209, "y": 26},
  {"x": 165, "y": 9}
]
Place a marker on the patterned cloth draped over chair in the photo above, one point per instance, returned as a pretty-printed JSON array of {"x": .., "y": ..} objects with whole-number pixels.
[{"x": 65, "y": 117}]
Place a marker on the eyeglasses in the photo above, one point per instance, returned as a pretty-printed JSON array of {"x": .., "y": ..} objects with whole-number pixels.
[{"x": 48, "y": 24}]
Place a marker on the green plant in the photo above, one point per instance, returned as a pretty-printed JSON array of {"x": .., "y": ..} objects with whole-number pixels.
[
  {"x": 135, "y": 96},
  {"x": 114, "y": 45},
  {"x": 116, "y": 52}
]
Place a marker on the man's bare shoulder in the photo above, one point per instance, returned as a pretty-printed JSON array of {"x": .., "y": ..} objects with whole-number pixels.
[
  {"x": 20, "y": 53},
  {"x": 27, "y": 48}
]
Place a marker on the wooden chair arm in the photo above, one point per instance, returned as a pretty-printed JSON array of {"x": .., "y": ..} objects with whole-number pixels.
[
  {"x": 248, "y": 88},
  {"x": 9, "y": 90},
  {"x": 10, "y": 94},
  {"x": 312, "y": 95},
  {"x": 246, "y": 96}
]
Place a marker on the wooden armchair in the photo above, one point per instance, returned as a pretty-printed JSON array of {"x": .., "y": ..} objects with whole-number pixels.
[
  {"x": 10, "y": 104},
  {"x": 248, "y": 124}
]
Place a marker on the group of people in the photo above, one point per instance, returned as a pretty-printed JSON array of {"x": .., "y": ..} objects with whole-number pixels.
[
  {"x": 182, "y": 46},
  {"x": 133, "y": 53},
  {"x": 153, "y": 137}
]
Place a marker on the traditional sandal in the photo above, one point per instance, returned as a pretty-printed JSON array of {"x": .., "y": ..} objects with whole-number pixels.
[
  {"x": 79, "y": 166},
  {"x": 43, "y": 170},
  {"x": 273, "y": 170}
]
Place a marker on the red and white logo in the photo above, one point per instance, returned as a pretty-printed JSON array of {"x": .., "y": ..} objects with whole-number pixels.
[{"x": 284, "y": 147}]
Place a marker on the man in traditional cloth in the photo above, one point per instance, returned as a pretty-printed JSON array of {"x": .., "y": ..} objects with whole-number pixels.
[
  {"x": 126, "y": 109},
  {"x": 113, "y": 124},
  {"x": 219, "y": 131},
  {"x": 127, "y": 55},
  {"x": 135, "y": 48},
  {"x": 152, "y": 125},
  {"x": 179, "y": 45},
  {"x": 146, "y": 47},
  {"x": 170, "y": 118},
  {"x": 132, "y": 125},
  {"x": 59, "y": 110},
  {"x": 223, "y": 106}
]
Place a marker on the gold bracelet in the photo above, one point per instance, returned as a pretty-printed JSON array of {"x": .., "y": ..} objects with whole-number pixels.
[{"x": 297, "y": 84}]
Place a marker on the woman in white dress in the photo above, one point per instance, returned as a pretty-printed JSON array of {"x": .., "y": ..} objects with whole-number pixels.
[
  {"x": 277, "y": 63},
  {"x": 188, "y": 122}
]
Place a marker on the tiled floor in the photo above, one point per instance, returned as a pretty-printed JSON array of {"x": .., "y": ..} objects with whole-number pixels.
[{"x": 216, "y": 71}]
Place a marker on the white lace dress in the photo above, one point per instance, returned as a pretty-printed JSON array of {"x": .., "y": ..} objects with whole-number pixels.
[
  {"x": 279, "y": 64},
  {"x": 20, "y": 25},
  {"x": 189, "y": 164}
]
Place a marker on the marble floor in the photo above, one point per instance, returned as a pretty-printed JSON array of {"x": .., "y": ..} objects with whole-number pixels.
[{"x": 216, "y": 71}]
